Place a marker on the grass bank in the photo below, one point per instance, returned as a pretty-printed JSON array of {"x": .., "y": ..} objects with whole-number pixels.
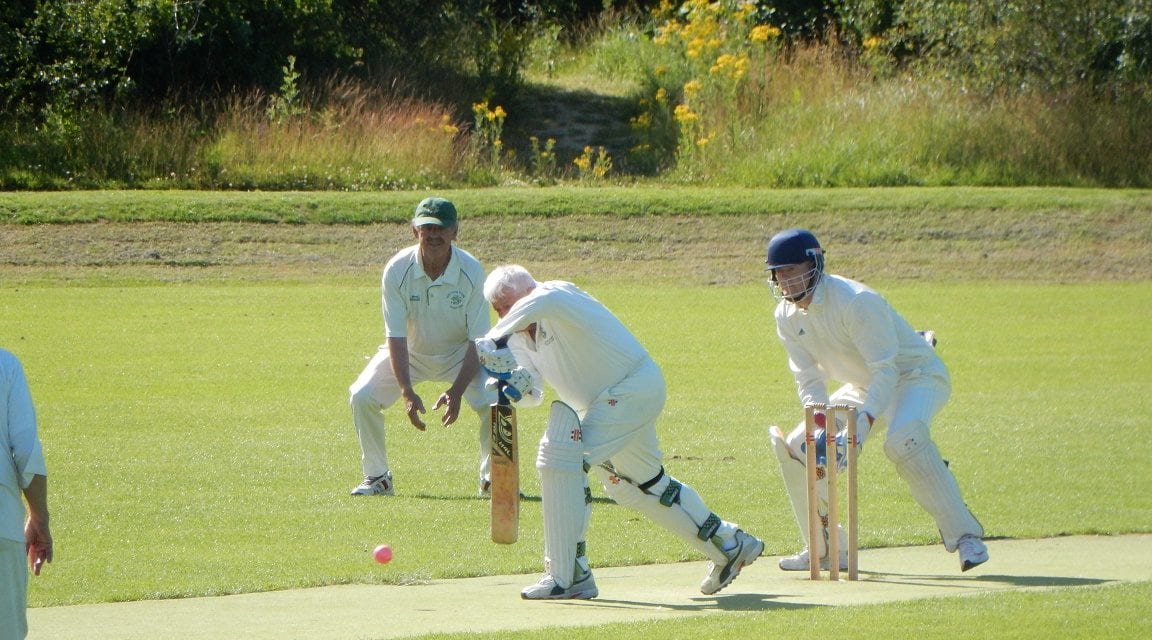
[{"x": 674, "y": 235}]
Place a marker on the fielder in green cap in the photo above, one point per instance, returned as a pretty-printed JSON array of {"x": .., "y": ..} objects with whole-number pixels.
[
  {"x": 437, "y": 211},
  {"x": 434, "y": 307}
]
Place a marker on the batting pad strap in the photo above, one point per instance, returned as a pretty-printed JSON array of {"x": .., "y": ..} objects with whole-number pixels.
[
  {"x": 710, "y": 527},
  {"x": 671, "y": 493},
  {"x": 651, "y": 483}
]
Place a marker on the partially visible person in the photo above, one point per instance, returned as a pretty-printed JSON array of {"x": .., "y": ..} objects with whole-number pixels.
[
  {"x": 833, "y": 328},
  {"x": 433, "y": 305},
  {"x": 23, "y": 479},
  {"x": 611, "y": 394}
]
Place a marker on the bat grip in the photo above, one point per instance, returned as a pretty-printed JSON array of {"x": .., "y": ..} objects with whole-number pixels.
[{"x": 501, "y": 397}]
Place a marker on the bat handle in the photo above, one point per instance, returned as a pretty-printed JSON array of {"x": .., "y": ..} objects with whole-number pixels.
[{"x": 501, "y": 397}]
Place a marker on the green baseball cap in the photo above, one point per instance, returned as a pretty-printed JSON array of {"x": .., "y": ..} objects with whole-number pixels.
[{"x": 437, "y": 211}]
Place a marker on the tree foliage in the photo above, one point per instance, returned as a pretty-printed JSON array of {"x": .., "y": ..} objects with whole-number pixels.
[
  {"x": 67, "y": 54},
  {"x": 60, "y": 55},
  {"x": 999, "y": 44}
]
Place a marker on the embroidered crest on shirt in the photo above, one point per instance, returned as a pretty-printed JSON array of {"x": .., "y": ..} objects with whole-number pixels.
[{"x": 456, "y": 299}]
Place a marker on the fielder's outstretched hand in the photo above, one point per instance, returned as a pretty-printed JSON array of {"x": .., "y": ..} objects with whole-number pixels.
[
  {"x": 413, "y": 407},
  {"x": 451, "y": 406}
]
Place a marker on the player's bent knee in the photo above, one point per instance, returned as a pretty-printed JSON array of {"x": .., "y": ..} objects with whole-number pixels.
[
  {"x": 621, "y": 491},
  {"x": 780, "y": 446},
  {"x": 561, "y": 448},
  {"x": 362, "y": 396},
  {"x": 906, "y": 447}
]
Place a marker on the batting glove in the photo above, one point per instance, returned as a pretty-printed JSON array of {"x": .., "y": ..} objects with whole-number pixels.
[
  {"x": 497, "y": 362},
  {"x": 518, "y": 384}
]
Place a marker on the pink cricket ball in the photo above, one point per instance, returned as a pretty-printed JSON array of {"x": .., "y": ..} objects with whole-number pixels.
[{"x": 383, "y": 554}]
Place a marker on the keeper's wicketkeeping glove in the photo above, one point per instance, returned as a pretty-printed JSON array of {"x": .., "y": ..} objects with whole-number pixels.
[{"x": 864, "y": 422}]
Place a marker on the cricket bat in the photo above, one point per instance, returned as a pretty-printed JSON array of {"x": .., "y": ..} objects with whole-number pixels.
[{"x": 505, "y": 488}]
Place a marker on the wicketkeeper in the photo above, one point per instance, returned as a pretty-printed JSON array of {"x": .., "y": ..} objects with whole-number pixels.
[
  {"x": 611, "y": 393},
  {"x": 833, "y": 328}
]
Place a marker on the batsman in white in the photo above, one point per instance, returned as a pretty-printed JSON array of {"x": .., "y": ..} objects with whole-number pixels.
[
  {"x": 833, "y": 328},
  {"x": 432, "y": 296},
  {"x": 611, "y": 394},
  {"x": 23, "y": 474}
]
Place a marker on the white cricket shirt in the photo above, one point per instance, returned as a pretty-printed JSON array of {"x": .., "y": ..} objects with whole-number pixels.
[
  {"x": 581, "y": 348},
  {"x": 439, "y": 318},
  {"x": 21, "y": 456},
  {"x": 851, "y": 334}
]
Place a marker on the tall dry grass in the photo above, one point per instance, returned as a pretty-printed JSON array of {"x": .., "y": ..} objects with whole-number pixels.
[
  {"x": 341, "y": 135},
  {"x": 349, "y": 136},
  {"x": 818, "y": 118}
]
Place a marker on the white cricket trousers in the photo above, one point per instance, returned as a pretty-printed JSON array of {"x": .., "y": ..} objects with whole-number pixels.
[
  {"x": 13, "y": 590},
  {"x": 376, "y": 389}
]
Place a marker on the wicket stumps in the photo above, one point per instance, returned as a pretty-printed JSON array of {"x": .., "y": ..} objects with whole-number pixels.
[{"x": 831, "y": 471}]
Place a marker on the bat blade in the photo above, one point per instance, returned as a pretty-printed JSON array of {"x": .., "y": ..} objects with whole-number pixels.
[{"x": 505, "y": 488}]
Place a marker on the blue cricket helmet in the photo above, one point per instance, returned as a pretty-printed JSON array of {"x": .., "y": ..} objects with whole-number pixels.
[{"x": 794, "y": 246}]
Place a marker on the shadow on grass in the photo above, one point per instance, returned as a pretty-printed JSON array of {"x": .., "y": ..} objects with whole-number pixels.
[
  {"x": 970, "y": 580},
  {"x": 734, "y": 602},
  {"x": 523, "y": 498}
]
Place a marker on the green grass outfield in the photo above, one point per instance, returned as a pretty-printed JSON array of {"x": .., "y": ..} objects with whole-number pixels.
[{"x": 194, "y": 414}]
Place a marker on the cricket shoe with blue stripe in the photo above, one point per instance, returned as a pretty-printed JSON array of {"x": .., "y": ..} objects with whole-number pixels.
[
  {"x": 747, "y": 549},
  {"x": 583, "y": 588}
]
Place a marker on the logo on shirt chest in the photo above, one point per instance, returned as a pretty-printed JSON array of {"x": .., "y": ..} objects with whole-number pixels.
[
  {"x": 543, "y": 336},
  {"x": 455, "y": 299}
]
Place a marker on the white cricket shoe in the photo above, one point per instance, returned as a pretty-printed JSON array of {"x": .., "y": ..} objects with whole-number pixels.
[
  {"x": 485, "y": 489},
  {"x": 973, "y": 552},
  {"x": 748, "y": 548},
  {"x": 799, "y": 562},
  {"x": 376, "y": 486},
  {"x": 583, "y": 588}
]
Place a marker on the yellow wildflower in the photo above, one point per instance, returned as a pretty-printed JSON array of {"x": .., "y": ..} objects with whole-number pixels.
[
  {"x": 684, "y": 114},
  {"x": 446, "y": 125},
  {"x": 763, "y": 33}
]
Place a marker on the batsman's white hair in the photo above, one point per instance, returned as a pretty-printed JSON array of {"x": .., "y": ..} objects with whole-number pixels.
[{"x": 507, "y": 279}]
